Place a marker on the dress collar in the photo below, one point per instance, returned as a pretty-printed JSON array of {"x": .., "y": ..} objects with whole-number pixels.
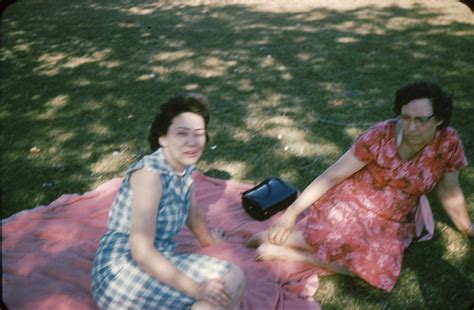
[{"x": 168, "y": 169}]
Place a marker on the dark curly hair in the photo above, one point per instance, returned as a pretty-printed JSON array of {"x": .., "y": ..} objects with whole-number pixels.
[
  {"x": 441, "y": 101},
  {"x": 180, "y": 103}
]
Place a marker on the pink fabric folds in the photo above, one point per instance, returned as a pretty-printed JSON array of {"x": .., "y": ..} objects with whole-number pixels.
[
  {"x": 47, "y": 252},
  {"x": 424, "y": 219}
]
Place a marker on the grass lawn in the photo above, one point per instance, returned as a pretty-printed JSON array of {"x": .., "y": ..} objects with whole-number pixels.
[{"x": 292, "y": 83}]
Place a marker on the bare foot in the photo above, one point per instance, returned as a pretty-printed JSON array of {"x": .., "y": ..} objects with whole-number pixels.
[
  {"x": 256, "y": 240},
  {"x": 268, "y": 252}
]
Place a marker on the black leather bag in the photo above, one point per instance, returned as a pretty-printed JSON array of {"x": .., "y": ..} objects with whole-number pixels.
[{"x": 268, "y": 197}]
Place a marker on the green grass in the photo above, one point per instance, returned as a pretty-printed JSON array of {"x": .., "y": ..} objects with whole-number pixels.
[{"x": 291, "y": 85}]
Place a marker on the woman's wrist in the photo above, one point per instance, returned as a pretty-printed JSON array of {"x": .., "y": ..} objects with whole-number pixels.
[
  {"x": 207, "y": 239},
  {"x": 196, "y": 290},
  {"x": 291, "y": 213},
  {"x": 186, "y": 285}
]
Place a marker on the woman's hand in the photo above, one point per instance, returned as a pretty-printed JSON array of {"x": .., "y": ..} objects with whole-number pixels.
[
  {"x": 214, "y": 292},
  {"x": 281, "y": 230}
]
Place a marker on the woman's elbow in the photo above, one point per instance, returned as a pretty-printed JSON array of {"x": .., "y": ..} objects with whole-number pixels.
[
  {"x": 139, "y": 250},
  {"x": 448, "y": 189}
]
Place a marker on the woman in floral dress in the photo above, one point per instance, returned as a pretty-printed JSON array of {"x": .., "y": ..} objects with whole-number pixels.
[
  {"x": 136, "y": 265},
  {"x": 360, "y": 212}
]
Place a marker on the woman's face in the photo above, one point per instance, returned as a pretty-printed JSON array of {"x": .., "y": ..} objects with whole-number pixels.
[
  {"x": 418, "y": 121},
  {"x": 184, "y": 142}
]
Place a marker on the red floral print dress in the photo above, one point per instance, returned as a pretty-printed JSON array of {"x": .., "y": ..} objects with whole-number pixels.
[{"x": 366, "y": 222}]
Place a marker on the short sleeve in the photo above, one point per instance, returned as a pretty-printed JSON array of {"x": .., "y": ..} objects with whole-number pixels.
[
  {"x": 457, "y": 159},
  {"x": 367, "y": 145}
]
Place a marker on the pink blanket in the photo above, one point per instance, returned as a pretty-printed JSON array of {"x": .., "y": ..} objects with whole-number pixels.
[{"x": 47, "y": 252}]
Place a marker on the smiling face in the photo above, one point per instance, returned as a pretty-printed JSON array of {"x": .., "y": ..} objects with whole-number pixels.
[
  {"x": 184, "y": 142},
  {"x": 419, "y": 124}
]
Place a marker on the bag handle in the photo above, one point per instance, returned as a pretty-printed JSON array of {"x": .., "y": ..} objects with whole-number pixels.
[{"x": 265, "y": 182}]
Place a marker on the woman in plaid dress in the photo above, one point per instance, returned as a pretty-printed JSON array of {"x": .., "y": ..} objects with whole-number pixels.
[{"x": 136, "y": 266}]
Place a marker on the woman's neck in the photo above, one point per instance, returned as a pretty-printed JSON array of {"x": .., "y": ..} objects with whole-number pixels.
[
  {"x": 178, "y": 169},
  {"x": 405, "y": 149},
  {"x": 409, "y": 150}
]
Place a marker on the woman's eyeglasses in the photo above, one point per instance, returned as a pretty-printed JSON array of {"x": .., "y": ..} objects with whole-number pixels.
[{"x": 418, "y": 120}]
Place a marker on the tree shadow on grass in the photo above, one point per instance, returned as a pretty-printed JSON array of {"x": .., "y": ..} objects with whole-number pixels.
[{"x": 290, "y": 90}]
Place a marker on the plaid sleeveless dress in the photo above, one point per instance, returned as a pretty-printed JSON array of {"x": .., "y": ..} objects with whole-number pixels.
[{"x": 117, "y": 281}]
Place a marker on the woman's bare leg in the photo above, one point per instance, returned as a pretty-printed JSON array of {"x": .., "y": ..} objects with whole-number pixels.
[
  {"x": 267, "y": 252},
  {"x": 295, "y": 240},
  {"x": 294, "y": 249}
]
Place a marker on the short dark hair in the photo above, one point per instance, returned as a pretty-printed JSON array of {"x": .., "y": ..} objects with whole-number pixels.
[
  {"x": 441, "y": 101},
  {"x": 180, "y": 103}
]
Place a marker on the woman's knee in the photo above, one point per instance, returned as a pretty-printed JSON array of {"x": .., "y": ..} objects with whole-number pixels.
[
  {"x": 203, "y": 305},
  {"x": 235, "y": 282},
  {"x": 235, "y": 279}
]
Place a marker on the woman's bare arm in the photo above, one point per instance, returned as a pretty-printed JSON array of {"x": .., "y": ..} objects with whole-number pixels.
[
  {"x": 452, "y": 199},
  {"x": 147, "y": 189},
  {"x": 197, "y": 223},
  {"x": 344, "y": 167}
]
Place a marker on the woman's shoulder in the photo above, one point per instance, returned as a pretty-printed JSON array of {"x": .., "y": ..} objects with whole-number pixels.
[
  {"x": 146, "y": 179},
  {"x": 384, "y": 126},
  {"x": 448, "y": 136},
  {"x": 154, "y": 162},
  {"x": 449, "y": 133},
  {"x": 448, "y": 139},
  {"x": 380, "y": 131},
  {"x": 370, "y": 143},
  {"x": 448, "y": 146}
]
